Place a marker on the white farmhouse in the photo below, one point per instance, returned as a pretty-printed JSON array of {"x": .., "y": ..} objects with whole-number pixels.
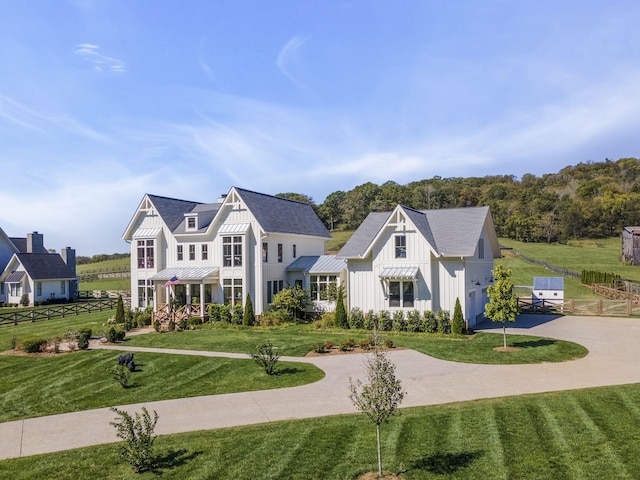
[
  {"x": 192, "y": 254},
  {"x": 409, "y": 259}
]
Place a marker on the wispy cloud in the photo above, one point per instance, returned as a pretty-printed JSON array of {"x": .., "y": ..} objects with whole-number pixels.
[
  {"x": 287, "y": 55},
  {"x": 90, "y": 53}
]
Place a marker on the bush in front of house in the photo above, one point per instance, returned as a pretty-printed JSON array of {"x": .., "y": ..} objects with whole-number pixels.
[
  {"x": 430, "y": 322},
  {"x": 194, "y": 322},
  {"x": 237, "y": 312},
  {"x": 33, "y": 344},
  {"x": 414, "y": 322},
  {"x": 114, "y": 334},
  {"x": 371, "y": 320},
  {"x": 384, "y": 321},
  {"x": 356, "y": 318},
  {"x": 143, "y": 320},
  {"x": 24, "y": 300},
  {"x": 444, "y": 321},
  {"x": 397, "y": 323}
]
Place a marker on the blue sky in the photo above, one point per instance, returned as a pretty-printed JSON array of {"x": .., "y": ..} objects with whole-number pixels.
[{"x": 102, "y": 101}]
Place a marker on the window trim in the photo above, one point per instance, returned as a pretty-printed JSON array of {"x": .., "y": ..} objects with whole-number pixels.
[
  {"x": 400, "y": 246},
  {"x": 402, "y": 297}
]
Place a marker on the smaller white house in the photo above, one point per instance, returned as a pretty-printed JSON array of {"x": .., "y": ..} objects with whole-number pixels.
[{"x": 549, "y": 290}]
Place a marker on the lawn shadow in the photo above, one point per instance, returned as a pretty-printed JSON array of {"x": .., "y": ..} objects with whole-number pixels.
[
  {"x": 445, "y": 463},
  {"x": 542, "y": 342},
  {"x": 287, "y": 371},
  {"x": 173, "y": 458},
  {"x": 525, "y": 320}
]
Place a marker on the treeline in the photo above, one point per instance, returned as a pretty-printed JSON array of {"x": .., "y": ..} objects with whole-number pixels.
[
  {"x": 589, "y": 200},
  {"x": 100, "y": 258}
]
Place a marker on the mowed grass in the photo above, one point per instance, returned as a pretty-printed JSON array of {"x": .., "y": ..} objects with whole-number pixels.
[
  {"x": 298, "y": 340},
  {"x": 37, "y": 386},
  {"x": 580, "y": 434},
  {"x": 53, "y": 327}
]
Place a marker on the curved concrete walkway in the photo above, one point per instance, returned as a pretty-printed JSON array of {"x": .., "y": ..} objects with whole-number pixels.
[{"x": 613, "y": 359}]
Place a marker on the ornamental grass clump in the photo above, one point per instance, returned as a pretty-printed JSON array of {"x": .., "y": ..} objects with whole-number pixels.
[{"x": 267, "y": 356}]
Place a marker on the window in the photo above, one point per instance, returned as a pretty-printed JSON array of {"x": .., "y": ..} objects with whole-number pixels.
[
  {"x": 401, "y": 246},
  {"x": 232, "y": 251},
  {"x": 63, "y": 287},
  {"x": 273, "y": 287},
  {"x": 180, "y": 253},
  {"x": 232, "y": 291},
  {"x": 265, "y": 252},
  {"x": 295, "y": 253},
  {"x": 39, "y": 289},
  {"x": 401, "y": 294},
  {"x": 191, "y": 223},
  {"x": 279, "y": 253},
  {"x": 16, "y": 289},
  {"x": 324, "y": 287},
  {"x": 192, "y": 252},
  {"x": 145, "y": 253},
  {"x": 481, "y": 249},
  {"x": 145, "y": 293},
  {"x": 205, "y": 251}
]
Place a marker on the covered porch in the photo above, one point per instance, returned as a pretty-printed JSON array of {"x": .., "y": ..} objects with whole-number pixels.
[{"x": 184, "y": 292}]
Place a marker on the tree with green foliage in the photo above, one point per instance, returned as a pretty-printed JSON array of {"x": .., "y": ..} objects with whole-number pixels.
[
  {"x": 380, "y": 397},
  {"x": 503, "y": 302},
  {"x": 294, "y": 300},
  {"x": 342, "y": 320},
  {"x": 457, "y": 325},
  {"x": 248, "y": 318},
  {"x": 119, "y": 311}
]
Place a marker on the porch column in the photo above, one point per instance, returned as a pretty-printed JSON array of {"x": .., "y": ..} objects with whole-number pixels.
[{"x": 202, "y": 300}]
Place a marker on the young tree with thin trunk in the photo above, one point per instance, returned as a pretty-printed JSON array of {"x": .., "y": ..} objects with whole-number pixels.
[
  {"x": 503, "y": 302},
  {"x": 380, "y": 397}
]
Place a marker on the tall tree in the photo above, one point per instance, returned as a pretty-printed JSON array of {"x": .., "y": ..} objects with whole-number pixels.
[
  {"x": 503, "y": 302},
  {"x": 457, "y": 325},
  {"x": 380, "y": 397},
  {"x": 341, "y": 314},
  {"x": 248, "y": 317}
]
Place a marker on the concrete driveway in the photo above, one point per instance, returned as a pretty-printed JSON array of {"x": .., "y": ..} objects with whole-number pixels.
[{"x": 613, "y": 359}]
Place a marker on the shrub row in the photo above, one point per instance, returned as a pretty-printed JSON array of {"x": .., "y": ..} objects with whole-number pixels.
[
  {"x": 589, "y": 277},
  {"x": 414, "y": 321}
]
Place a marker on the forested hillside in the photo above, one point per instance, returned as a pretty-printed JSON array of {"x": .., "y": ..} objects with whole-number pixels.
[{"x": 589, "y": 200}]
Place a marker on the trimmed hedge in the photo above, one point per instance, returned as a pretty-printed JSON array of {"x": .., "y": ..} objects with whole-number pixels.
[{"x": 33, "y": 344}]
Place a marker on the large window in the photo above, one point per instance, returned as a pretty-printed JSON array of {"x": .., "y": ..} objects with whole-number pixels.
[
  {"x": 401, "y": 294},
  {"x": 324, "y": 287},
  {"x": 145, "y": 293},
  {"x": 232, "y": 251},
  {"x": 401, "y": 246},
  {"x": 232, "y": 291},
  {"x": 273, "y": 287},
  {"x": 192, "y": 252},
  {"x": 145, "y": 253},
  {"x": 16, "y": 289}
]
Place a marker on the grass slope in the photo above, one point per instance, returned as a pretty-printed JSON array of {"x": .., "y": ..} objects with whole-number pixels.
[{"x": 581, "y": 434}]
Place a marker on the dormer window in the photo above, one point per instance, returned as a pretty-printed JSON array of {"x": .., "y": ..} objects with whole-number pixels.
[{"x": 192, "y": 222}]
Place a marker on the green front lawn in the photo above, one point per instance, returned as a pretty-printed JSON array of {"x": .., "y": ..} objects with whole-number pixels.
[
  {"x": 580, "y": 434},
  {"x": 37, "y": 386},
  {"x": 298, "y": 340}
]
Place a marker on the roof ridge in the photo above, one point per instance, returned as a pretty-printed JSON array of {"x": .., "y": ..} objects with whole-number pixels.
[{"x": 270, "y": 196}]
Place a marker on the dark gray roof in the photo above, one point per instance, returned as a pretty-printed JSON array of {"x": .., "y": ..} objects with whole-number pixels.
[
  {"x": 452, "y": 232},
  {"x": 456, "y": 230},
  {"x": 281, "y": 215},
  {"x": 205, "y": 212},
  {"x": 172, "y": 210},
  {"x": 364, "y": 235},
  {"x": 20, "y": 243},
  {"x": 45, "y": 266}
]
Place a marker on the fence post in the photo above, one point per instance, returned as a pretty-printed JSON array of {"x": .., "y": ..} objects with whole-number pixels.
[
  {"x": 33, "y": 316},
  {"x": 15, "y": 318}
]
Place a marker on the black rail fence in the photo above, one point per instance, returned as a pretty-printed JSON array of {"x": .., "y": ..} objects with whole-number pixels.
[
  {"x": 560, "y": 271},
  {"x": 23, "y": 315}
]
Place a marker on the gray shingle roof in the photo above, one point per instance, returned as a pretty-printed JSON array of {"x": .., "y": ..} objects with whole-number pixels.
[
  {"x": 364, "y": 235},
  {"x": 452, "y": 232},
  {"x": 45, "y": 266},
  {"x": 281, "y": 215},
  {"x": 172, "y": 210}
]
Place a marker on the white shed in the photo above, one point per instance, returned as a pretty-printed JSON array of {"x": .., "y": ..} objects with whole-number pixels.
[{"x": 548, "y": 289}]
